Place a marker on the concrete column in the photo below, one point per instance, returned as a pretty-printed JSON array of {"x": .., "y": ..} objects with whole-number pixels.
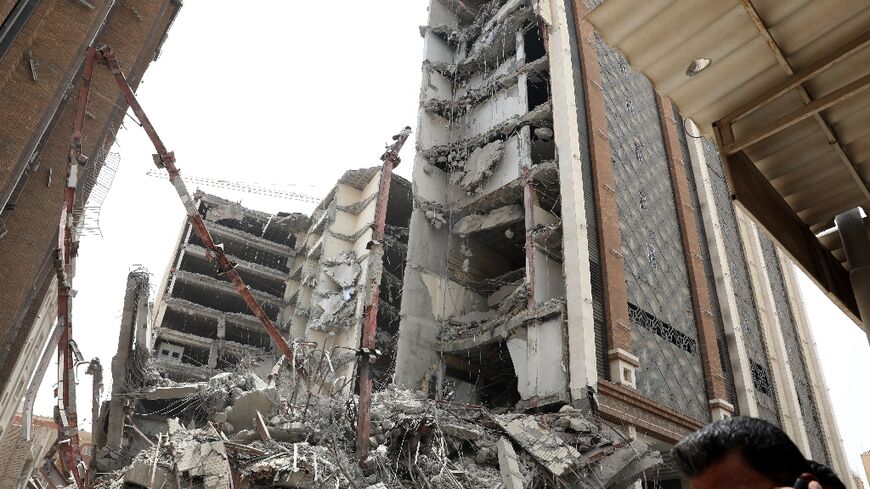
[
  {"x": 716, "y": 392},
  {"x": 115, "y": 432},
  {"x": 830, "y": 429},
  {"x": 564, "y": 79},
  {"x": 722, "y": 274},
  {"x": 222, "y": 326},
  {"x": 786, "y": 395},
  {"x": 427, "y": 293},
  {"x": 623, "y": 362},
  {"x": 214, "y": 350},
  {"x": 168, "y": 282}
]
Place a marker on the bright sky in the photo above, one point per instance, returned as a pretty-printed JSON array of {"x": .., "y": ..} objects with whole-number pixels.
[{"x": 292, "y": 94}]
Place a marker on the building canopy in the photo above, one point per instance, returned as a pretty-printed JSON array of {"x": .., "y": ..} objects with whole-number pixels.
[{"x": 782, "y": 86}]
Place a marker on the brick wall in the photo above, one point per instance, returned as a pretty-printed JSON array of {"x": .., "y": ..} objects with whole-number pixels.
[
  {"x": 6, "y": 6},
  {"x": 56, "y": 36},
  {"x": 134, "y": 34}
]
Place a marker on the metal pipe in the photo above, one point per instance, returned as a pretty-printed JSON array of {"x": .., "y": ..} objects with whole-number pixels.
[
  {"x": 366, "y": 352},
  {"x": 856, "y": 244}
]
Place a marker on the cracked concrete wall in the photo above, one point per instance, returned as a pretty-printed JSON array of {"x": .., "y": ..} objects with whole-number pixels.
[
  {"x": 334, "y": 274},
  {"x": 473, "y": 141},
  {"x": 538, "y": 355}
]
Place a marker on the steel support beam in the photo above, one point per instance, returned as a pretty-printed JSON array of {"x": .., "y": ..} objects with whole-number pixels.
[
  {"x": 856, "y": 243},
  {"x": 798, "y": 78},
  {"x": 830, "y": 135},
  {"x": 840, "y": 95}
]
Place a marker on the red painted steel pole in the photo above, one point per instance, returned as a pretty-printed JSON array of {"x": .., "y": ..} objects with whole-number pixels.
[
  {"x": 370, "y": 325},
  {"x": 166, "y": 159},
  {"x": 67, "y": 249}
]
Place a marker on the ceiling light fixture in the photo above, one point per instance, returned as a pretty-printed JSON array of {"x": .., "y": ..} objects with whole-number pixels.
[{"x": 697, "y": 66}]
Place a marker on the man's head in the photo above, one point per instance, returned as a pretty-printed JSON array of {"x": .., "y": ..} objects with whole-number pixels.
[{"x": 742, "y": 453}]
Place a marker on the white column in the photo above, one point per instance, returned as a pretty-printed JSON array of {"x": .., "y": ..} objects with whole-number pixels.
[
  {"x": 581, "y": 325},
  {"x": 722, "y": 275},
  {"x": 786, "y": 394}
]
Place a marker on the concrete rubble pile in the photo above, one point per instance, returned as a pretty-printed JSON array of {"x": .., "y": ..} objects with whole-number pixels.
[{"x": 248, "y": 433}]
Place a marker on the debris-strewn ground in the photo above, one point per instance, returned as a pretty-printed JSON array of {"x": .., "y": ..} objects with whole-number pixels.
[{"x": 258, "y": 435}]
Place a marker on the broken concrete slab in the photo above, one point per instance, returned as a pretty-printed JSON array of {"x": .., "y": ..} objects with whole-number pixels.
[
  {"x": 173, "y": 392},
  {"x": 462, "y": 432},
  {"x": 508, "y": 465},
  {"x": 208, "y": 460},
  {"x": 548, "y": 449},
  {"x": 503, "y": 216},
  {"x": 502, "y": 293},
  {"x": 139, "y": 474},
  {"x": 244, "y": 409},
  {"x": 229, "y": 210},
  {"x": 343, "y": 269},
  {"x": 497, "y": 218},
  {"x": 468, "y": 224},
  {"x": 478, "y": 167},
  {"x": 294, "y": 432},
  {"x": 626, "y": 464}
]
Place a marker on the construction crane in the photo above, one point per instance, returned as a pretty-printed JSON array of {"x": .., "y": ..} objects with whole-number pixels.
[
  {"x": 247, "y": 187},
  {"x": 67, "y": 249}
]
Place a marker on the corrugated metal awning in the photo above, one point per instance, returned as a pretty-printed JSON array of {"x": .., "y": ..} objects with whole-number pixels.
[{"x": 785, "y": 90}]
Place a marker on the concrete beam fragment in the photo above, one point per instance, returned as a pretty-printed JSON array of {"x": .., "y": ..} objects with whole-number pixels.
[{"x": 508, "y": 466}]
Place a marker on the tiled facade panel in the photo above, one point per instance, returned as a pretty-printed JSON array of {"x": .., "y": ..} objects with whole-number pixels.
[
  {"x": 750, "y": 323},
  {"x": 664, "y": 334},
  {"x": 788, "y": 328},
  {"x": 715, "y": 309}
]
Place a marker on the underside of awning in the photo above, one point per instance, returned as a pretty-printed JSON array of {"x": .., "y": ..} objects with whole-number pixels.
[{"x": 783, "y": 86}]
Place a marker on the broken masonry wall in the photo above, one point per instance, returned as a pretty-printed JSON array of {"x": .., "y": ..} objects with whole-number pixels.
[
  {"x": 337, "y": 268},
  {"x": 481, "y": 115}
]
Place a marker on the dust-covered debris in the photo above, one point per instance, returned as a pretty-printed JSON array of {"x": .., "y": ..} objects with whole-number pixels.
[
  {"x": 434, "y": 213},
  {"x": 297, "y": 435}
]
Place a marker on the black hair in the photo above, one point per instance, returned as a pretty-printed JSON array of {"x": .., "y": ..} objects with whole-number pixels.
[
  {"x": 764, "y": 447},
  {"x": 827, "y": 478}
]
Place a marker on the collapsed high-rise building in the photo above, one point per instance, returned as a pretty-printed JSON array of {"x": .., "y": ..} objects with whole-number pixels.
[
  {"x": 566, "y": 259},
  {"x": 202, "y": 325},
  {"x": 574, "y": 241},
  {"x": 309, "y": 274}
]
